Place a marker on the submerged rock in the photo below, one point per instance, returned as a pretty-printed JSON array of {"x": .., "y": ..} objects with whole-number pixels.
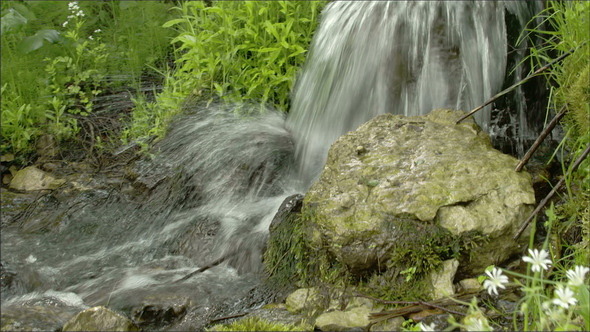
[
  {"x": 421, "y": 190},
  {"x": 99, "y": 319}
]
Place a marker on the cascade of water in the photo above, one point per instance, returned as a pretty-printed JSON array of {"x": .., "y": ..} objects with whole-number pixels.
[{"x": 400, "y": 57}]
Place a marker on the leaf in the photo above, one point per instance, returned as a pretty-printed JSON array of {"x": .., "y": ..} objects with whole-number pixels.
[
  {"x": 271, "y": 28},
  {"x": 268, "y": 49},
  {"x": 49, "y": 35},
  {"x": 11, "y": 21},
  {"x": 30, "y": 44},
  {"x": 173, "y": 22}
]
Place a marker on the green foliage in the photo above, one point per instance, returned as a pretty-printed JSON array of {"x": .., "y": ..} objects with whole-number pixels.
[
  {"x": 258, "y": 324},
  {"x": 294, "y": 257},
  {"x": 566, "y": 27},
  {"x": 239, "y": 51},
  {"x": 244, "y": 50},
  {"x": 57, "y": 57}
]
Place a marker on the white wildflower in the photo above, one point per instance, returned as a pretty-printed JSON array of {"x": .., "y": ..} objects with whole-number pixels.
[
  {"x": 538, "y": 259},
  {"x": 577, "y": 275},
  {"x": 90, "y": 37},
  {"x": 65, "y": 24},
  {"x": 495, "y": 279},
  {"x": 97, "y": 31},
  {"x": 477, "y": 324},
  {"x": 427, "y": 327},
  {"x": 564, "y": 297}
]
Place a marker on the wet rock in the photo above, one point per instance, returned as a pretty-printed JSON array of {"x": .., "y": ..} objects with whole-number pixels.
[
  {"x": 6, "y": 178},
  {"x": 337, "y": 320},
  {"x": 303, "y": 299},
  {"x": 160, "y": 310},
  {"x": 421, "y": 181},
  {"x": 31, "y": 178},
  {"x": 290, "y": 205},
  {"x": 40, "y": 312},
  {"x": 6, "y": 158},
  {"x": 99, "y": 319},
  {"x": 7, "y": 280},
  {"x": 442, "y": 280},
  {"x": 393, "y": 324},
  {"x": 469, "y": 284},
  {"x": 34, "y": 318}
]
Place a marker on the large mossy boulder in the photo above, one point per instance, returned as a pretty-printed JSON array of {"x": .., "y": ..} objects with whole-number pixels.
[{"x": 407, "y": 193}]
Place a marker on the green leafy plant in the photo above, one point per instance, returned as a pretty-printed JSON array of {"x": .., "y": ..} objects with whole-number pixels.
[
  {"x": 244, "y": 50},
  {"x": 237, "y": 51},
  {"x": 563, "y": 27},
  {"x": 58, "y": 57}
]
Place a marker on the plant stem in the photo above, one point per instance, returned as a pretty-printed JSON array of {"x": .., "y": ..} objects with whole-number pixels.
[
  {"x": 551, "y": 193},
  {"x": 514, "y": 86},
  {"x": 540, "y": 139}
]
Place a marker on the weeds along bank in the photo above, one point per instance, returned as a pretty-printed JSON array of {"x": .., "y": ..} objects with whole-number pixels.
[
  {"x": 59, "y": 58},
  {"x": 567, "y": 27},
  {"x": 241, "y": 52}
]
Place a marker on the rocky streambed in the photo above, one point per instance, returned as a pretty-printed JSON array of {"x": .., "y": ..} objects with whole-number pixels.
[{"x": 407, "y": 209}]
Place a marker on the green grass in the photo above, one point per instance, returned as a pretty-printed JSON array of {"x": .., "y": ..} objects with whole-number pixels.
[
  {"x": 258, "y": 324},
  {"x": 52, "y": 70}
]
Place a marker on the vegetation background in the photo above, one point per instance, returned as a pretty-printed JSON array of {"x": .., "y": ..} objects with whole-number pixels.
[{"x": 67, "y": 66}]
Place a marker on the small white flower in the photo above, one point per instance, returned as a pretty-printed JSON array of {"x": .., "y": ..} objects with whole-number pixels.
[
  {"x": 538, "y": 259},
  {"x": 90, "y": 37},
  {"x": 495, "y": 279},
  {"x": 564, "y": 297},
  {"x": 97, "y": 31},
  {"x": 427, "y": 327},
  {"x": 577, "y": 275},
  {"x": 477, "y": 324},
  {"x": 80, "y": 14},
  {"x": 65, "y": 23}
]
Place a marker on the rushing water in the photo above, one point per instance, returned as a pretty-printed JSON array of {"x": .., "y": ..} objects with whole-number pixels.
[{"x": 219, "y": 178}]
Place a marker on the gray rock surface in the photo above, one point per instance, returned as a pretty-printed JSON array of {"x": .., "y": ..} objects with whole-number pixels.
[
  {"x": 99, "y": 319},
  {"x": 397, "y": 177}
]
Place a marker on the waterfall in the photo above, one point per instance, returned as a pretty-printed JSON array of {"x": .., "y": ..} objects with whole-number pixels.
[{"x": 400, "y": 57}]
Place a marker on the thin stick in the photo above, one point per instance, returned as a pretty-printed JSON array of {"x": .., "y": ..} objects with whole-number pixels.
[
  {"x": 227, "y": 317},
  {"x": 540, "y": 139},
  {"x": 524, "y": 80},
  {"x": 551, "y": 193},
  {"x": 204, "y": 268}
]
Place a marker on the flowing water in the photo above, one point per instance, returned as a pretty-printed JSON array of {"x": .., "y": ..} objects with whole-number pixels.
[{"x": 219, "y": 178}]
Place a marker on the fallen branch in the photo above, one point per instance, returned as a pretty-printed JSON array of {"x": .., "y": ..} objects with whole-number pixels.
[
  {"x": 551, "y": 193},
  {"x": 540, "y": 139},
  {"x": 514, "y": 86},
  {"x": 227, "y": 317},
  {"x": 417, "y": 306},
  {"x": 204, "y": 268}
]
